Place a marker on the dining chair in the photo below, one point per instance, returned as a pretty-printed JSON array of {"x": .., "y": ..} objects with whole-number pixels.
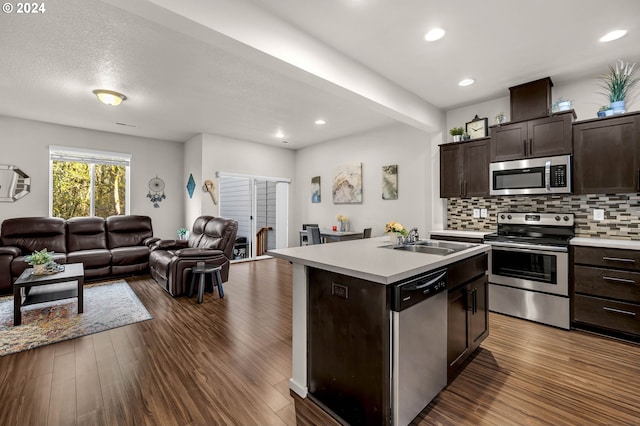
[
  {"x": 303, "y": 237},
  {"x": 366, "y": 233},
  {"x": 313, "y": 233}
]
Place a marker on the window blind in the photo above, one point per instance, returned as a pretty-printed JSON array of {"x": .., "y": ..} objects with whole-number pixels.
[{"x": 78, "y": 155}]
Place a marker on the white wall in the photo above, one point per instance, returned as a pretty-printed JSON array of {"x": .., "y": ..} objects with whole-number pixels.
[
  {"x": 399, "y": 144},
  {"x": 26, "y": 143}
]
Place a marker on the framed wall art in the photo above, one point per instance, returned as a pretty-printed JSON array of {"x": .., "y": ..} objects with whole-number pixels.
[
  {"x": 315, "y": 189},
  {"x": 390, "y": 182},
  {"x": 347, "y": 183}
]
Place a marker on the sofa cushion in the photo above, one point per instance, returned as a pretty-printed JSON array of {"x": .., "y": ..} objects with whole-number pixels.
[
  {"x": 86, "y": 233},
  {"x": 30, "y": 234},
  {"x": 95, "y": 258},
  {"x": 129, "y": 255},
  {"x": 128, "y": 231}
]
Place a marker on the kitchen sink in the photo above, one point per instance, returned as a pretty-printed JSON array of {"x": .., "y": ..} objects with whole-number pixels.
[{"x": 441, "y": 248}]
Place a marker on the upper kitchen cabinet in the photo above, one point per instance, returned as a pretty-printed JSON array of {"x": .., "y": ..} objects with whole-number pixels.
[
  {"x": 542, "y": 137},
  {"x": 606, "y": 155},
  {"x": 530, "y": 100},
  {"x": 464, "y": 169}
]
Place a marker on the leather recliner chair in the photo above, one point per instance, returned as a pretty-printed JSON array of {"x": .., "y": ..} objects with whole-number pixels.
[{"x": 211, "y": 241}]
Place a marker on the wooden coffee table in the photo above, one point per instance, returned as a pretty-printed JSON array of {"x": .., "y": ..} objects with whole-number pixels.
[{"x": 30, "y": 289}]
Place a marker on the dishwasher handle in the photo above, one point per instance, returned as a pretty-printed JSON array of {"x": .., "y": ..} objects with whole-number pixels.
[{"x": 408, "y": 293}]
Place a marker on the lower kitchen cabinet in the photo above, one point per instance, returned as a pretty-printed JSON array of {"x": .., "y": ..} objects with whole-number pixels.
[
  {"x": 468, "y": 313},
  {"x": 606, "y": 290}
]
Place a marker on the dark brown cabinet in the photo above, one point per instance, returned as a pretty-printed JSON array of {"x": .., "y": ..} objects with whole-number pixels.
[
  {"x": 606, "y": 290},
  {"x": 606, "y": 155},
  {"x": 468, "y": 313},
  {"x": 543, "y": 137},
  {"x": 464, "y": 169}
]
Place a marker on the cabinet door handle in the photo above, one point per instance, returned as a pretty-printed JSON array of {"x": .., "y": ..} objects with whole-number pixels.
[
  {"x": 524, "y": 142},
  {"x": 475, "y": 301},
  {"x": 619, "y": 311},
  {"x": 530, "y": 146},
  {"x": 469, "y": 300},
  {"x": 465, "y": 187},
  {"x": 618, "y": 259},
  {"x": 618, "y": 280}
]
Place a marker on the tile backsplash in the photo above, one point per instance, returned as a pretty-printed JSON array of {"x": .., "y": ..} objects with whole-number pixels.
[{"x": 621, "y": 212}]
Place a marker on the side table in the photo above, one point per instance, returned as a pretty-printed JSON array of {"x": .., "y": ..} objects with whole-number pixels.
[{"x": 203, "y": 270}]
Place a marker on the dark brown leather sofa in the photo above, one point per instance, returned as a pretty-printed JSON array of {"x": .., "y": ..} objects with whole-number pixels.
[
  {"x": 115, "y": 246},
  {"x": 211, "y": 241}
]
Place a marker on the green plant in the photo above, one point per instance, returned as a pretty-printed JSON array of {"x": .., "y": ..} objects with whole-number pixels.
[
  {"x": 604, "y": 108},
  {"x": 619, "y": 80},
  {"x": 182, "y": 232},
  {"x": 41, "y": 257},
  {"x": 456, "y": 131}
]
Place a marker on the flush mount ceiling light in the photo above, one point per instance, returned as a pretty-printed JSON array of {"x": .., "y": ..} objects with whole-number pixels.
[
  {"x": 613, "y": 35},
  {"x": 279, "y": 134},
  {"x": 320, "y": 122},
  {"x": 466, "y": 82},
  {"x": 109, "y": 97},
  {"x": 434, "y": 34}
]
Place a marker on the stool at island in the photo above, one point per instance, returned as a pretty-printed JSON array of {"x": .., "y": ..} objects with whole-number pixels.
[{"x": 202, "y": 270}]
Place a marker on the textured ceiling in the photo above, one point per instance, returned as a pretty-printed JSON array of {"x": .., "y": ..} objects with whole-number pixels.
[{"x": 179, "y": 86}]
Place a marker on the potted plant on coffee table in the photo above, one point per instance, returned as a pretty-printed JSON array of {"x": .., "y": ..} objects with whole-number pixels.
[{"x": 39, "y": 260}]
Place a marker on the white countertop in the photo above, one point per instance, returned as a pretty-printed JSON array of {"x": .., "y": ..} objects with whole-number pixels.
[
  {"x": 365, "y": 259},
  {"x": 606, "y": 243},
  {"x": 463, "y": 234}
]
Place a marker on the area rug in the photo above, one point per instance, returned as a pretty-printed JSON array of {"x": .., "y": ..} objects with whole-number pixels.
[{"x": 106, "y": 306}]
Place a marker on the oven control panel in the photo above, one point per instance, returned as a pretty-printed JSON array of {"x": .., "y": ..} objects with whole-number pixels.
[{"x": 547, "y": 219}]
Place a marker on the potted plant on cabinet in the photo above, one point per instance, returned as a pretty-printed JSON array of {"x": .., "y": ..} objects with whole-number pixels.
[
  {"x": 617, "y": 83},
  {"x": 456, "y": 132},
  {"x": 39, "y": 260}
]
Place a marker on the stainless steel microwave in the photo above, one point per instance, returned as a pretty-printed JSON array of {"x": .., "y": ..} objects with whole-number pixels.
[{"x": 548, "y": 175}]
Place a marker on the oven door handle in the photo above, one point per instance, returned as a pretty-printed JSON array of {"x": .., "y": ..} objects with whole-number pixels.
[
  {"x": 528, "y": 248},
  {"x": 547, "y": 175}
]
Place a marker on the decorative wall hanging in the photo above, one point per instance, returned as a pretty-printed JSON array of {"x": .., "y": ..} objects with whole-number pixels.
[
  {"x": 14, "y": 183},
  {"x": 315, "y": 189},
  {"x": 210, "y": 187},
  {"x": 156, "y": 191},
  {"x": 347, "y": 184},
  {"x": 191, "y": 185},
  {"x": 390, "y": 182}
]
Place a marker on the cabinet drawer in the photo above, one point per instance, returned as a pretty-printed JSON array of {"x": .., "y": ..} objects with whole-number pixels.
[
  {"x": 608, "y": 257},
  {"x": 617, "y": 316},
  {"x": 467, "y": 269},
  {"x": 611, "y": 283}
]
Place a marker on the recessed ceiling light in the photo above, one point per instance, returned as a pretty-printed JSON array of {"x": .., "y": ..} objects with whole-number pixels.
[
  {"x": 279, "y": 134},
  {"x": 320, "y": 122},
  {"x": 466, "y": 82},
  {"x": 109, "y": 97},
  {"x": 434, "y": 34},
  {"x": 613, "y": 35}
]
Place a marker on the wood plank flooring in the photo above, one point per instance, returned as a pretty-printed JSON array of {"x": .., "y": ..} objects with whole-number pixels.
[{"x": 228, "y": 362}]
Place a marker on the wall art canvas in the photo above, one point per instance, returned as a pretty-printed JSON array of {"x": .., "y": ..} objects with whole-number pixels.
[
  {"x": 390, "y": 182},
  {"x": 347, "y": 183},
  {"x": 315, "y": 189}
]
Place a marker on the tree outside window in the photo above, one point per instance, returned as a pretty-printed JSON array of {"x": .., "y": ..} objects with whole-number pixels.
[{"x": 89, "y": 187}]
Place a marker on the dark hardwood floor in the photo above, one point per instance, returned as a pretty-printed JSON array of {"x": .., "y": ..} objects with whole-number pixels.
[{"x": 228, "y": 362}]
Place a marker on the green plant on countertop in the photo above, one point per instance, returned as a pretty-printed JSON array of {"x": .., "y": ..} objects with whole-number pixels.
[
  {"x": 41, "y": 257},
  {"x": 619, "y": 80},
  {"x": 456, "y": 131}
]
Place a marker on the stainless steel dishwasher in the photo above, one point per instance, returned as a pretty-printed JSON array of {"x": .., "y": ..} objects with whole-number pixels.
[{"x": 418, "y": 344}]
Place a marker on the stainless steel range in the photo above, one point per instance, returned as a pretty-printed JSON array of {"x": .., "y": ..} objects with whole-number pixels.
[{"x": 529, "y": 266}]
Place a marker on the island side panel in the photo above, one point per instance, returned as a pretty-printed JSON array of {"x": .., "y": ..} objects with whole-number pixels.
[{"x": 298, "y": 381}]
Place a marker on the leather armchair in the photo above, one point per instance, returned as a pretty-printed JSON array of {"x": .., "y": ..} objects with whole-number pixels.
[{"x": 211, "y": 241}]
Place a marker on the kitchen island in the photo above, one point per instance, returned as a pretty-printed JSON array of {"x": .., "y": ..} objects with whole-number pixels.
[{"x": 363, "y": 268}]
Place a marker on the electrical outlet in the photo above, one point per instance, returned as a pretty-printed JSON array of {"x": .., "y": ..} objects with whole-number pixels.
[
  {"x": 476, "y": 213},
  {"x": 483, "y": 213},
  {"x": 598, "y": 214}
]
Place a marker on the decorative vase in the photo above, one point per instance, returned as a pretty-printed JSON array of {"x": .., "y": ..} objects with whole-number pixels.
[
  {"x": 564, "y": 106},
  {"x": 343, "y": 226},
  {"x": 618, "y": 107},
  {"x": 40, "y": 269},
  {"x": 602, "y": 113},
  {"x": 457, "y": 138},
  {"x": 393, "y": 237}
]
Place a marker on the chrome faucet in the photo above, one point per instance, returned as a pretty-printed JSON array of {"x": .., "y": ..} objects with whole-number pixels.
[{"x": 413, "y": 236}]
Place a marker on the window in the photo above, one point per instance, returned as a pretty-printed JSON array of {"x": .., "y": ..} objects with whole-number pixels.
[{"x": 88, "y": 183}]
